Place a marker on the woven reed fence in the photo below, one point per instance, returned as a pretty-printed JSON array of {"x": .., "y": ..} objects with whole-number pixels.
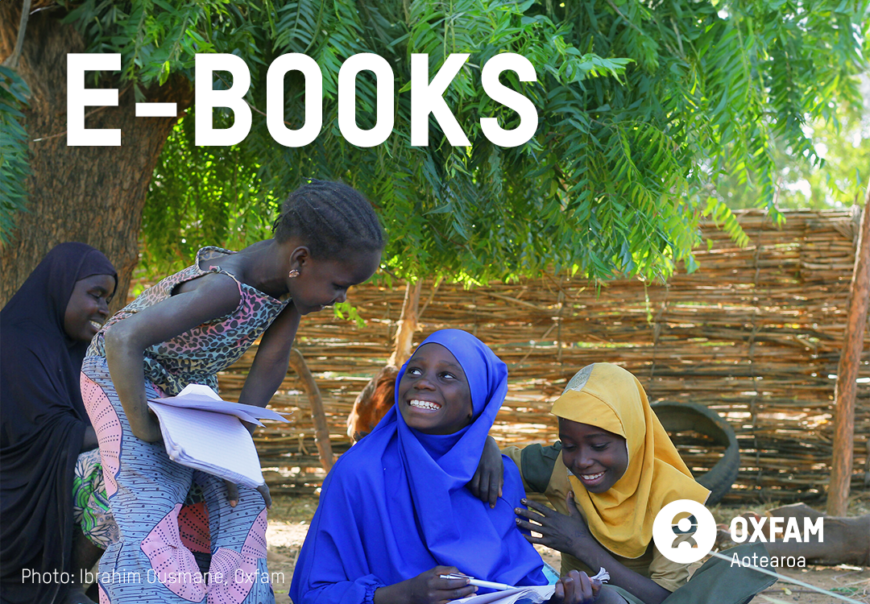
[{"x": 755, "y": 334}]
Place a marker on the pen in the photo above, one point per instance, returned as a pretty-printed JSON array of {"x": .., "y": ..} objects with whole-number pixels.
[{"x": 479, "y": 583}]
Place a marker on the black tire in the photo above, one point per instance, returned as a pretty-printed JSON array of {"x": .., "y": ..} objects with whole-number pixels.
[{"x": 679, "y": 417}]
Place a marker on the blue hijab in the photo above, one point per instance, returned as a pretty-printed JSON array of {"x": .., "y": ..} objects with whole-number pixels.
[{"x": 395, "y": 505}]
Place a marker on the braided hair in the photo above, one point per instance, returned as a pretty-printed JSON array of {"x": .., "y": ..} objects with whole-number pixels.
[{"x": 330, "y": 217}]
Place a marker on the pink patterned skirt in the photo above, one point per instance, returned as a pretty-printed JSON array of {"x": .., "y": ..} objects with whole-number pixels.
[{"x": 152, "y": 560}]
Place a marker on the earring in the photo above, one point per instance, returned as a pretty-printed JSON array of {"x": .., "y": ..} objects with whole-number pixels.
[{"x": 293, "y": 274}]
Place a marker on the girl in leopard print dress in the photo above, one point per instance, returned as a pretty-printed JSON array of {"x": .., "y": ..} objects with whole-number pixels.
[{"x": 182, "y": 331}]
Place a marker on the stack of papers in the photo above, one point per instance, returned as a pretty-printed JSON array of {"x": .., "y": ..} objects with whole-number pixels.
[
  {"x": 203, "y": 432},
  {"x": 535, "y": 594}
]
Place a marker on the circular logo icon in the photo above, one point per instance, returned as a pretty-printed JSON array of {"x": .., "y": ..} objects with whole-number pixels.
[{"x": 684, "y": 531}]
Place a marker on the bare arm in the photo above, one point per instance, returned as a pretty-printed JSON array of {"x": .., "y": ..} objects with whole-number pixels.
[
  {"x": 273, "y": 356},
  {"x": 214, "y": 296},
  {"x": 488, "y": 479},
  {"x": 266, "y": 374}
]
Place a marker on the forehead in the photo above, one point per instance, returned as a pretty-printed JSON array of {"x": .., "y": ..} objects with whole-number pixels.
[
  {"x": 107, "y": 282},
  {"x": 578, "y": 431},
  {"x": 433, "y": 353},
  {"x": 354, "y": 269}
]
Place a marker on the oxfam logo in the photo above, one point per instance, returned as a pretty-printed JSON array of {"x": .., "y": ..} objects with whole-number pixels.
[{"x": 684, "y": 531}]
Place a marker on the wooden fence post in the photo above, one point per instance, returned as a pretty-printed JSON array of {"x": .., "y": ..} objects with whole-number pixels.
[
  {"x": 847, "y": 372},
  {"x": 321, "y": 429}
]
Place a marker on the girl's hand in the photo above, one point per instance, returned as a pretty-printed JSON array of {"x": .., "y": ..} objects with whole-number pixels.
[
  {"x": 487, "y": 481},
  {"x": 563, "y": 533},
  {"x": 426, "y": 588},
  {"x": 575, "y": 588},
  {"x": 233, "y": 494}
]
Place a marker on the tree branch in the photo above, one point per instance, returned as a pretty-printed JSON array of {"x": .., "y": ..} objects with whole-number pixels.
[{"x": 12, "y": 60}]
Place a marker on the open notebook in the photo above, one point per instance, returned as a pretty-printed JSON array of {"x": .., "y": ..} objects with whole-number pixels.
[
  {"x": 533, "y": 594},
  {"x": 203, "y": 432}
]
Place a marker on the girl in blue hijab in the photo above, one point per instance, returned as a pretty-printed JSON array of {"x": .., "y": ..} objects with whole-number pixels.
[{"x": 394, "y": 512}]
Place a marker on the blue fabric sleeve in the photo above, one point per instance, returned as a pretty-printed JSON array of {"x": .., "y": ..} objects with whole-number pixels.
[
  {"x": 330, "y": 570},
  {"x": 361, "y": 591}
]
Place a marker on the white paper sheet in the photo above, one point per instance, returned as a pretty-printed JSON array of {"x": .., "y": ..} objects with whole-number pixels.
[
  {"x": 197, "y": 396},
  {"x": 538, "y": 593}
]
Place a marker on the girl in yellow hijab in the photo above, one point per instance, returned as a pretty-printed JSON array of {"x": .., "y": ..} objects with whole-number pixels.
[{"x": 613, "y": 471}]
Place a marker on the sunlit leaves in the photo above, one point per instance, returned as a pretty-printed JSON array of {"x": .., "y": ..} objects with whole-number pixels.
[
  {"x": 643, "y": 109},
  {"x": 202, "y": 196}
]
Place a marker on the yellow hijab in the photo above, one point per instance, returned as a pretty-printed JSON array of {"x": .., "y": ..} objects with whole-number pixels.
[{"x": 621, "y": 519}]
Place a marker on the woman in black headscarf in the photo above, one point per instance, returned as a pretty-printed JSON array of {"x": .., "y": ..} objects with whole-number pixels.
[{"x": 44, "y": 333}]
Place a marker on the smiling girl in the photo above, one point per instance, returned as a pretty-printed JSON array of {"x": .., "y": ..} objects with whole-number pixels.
[
  {"x": 612, "y": 471},
  {"x": 394, "y": 514},
  {"x": 184, "y": 330}
]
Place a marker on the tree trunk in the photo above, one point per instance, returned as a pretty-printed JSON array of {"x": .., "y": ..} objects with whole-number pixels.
[
  {"x": 94, "y": 195},
  {"x": 407, "y": 324},
  {"x": 847, "y": 372},
  {"x": 321, "y": 428}
]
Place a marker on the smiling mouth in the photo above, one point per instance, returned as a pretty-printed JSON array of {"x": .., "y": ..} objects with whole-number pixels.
[
  {"x": 97, "y": 326},
  {"x": 591, "y": 479},
  {"x": 427, "y": 405}
]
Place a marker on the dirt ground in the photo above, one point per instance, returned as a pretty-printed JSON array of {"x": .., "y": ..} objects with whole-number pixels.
[{"x": 290, "y": 516}]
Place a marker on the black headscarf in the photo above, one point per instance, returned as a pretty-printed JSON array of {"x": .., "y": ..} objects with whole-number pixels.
[{"x": 42, "y": 421}]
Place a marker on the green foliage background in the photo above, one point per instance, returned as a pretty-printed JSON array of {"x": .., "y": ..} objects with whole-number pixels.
[
  {"x": 644, "y": 107},
  {"x": 839, "y": 182}
]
